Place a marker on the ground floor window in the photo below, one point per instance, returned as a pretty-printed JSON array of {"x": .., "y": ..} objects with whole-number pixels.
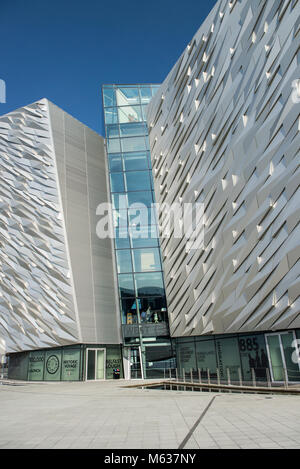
[
  {"x": 62, "y": 364},
  {"x": 281, "y": 354},
  {"x": 71, "y": 363},
  {"x": 240, "y": 356},
  {"x": 95, "y": 364}
]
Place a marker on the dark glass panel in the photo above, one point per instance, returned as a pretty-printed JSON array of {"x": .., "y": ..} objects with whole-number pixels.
[
  {"x": 126, "y": 285},
  {"x": 135, "y": 161},
  {"x": 124, "y": 263},
  {"x": 144, "y": 198},
  {"x": 138, "y": 180},
  {"x": 109, "y": 97},
  {"x": 117, "y": 182},
  {"x": 149, "y": 284},
  {"x": 115, "y": 163}
]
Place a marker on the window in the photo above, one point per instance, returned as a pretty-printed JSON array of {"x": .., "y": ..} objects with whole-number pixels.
[
  {"x": 124, "y": 261},
  {"x": 117, "y": 182},
  {"x": 133, "y": 129},
  {"x": 144, "y": 198},
  {"x": 129, "y": 311},
  {"x": 153, "y": 310},
  {"x": 113, "y": 145},
  {"x": 144, "y": 109},
  {"x": 126, "y": 285},
  {"x": 146, "y": 260},
  {"x": 122, "y": 238},
  {"x": 138, "y": 180},
  {"x": 119, "y": 201},
  {"x": 112, "y": 131},
  {"x": 140, "y": 215},
  {"x": 146, "y": 95},
  {"x": 109, "y": 98},
  {"x": 115, "y": 162},
  {"x": 149, "y": 284},
  {"x": 130, "y": 114},
  {"x": 120, "y": 218},
  {"x": 133, "y": 144},
  {"x": 135, "y": 161},
  {"x": 127, "y": 96},
  {"x": 144, "y": 236},
  {"x": 111, "y": 115}
]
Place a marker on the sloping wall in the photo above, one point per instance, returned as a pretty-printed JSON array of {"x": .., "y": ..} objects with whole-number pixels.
[{"x": 224, "y": 132}]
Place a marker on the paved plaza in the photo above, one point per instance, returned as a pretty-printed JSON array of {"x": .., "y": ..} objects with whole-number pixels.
[{"x": 107, "y": 415}]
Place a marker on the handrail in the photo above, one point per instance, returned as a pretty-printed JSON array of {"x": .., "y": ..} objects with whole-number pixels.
[{"x": 225, "y": 387}]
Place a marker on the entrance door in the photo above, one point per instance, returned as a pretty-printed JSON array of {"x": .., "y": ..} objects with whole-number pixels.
[
  {"x": 135, "y": 363},
  {"x": 95, "y": 364},
  {"x": 280, "y": 352}
]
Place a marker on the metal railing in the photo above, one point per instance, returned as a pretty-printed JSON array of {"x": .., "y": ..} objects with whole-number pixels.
[{"x": 277, "y": 379}]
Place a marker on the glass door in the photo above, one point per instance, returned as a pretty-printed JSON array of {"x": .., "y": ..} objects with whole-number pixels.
[
  {"x": 90, "y": 368},
  {"x": 95, "y": 364},
  {"x": 100, "y": 371},
  {"x": 275, "y": 357},
  {"x": 135, "y": 363},
  {"x": 288, "y": 351},
  {"x": 280, "y": 352}
]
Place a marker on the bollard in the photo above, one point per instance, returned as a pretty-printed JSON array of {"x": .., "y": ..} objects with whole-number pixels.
[
  {"x": 199, "y": 377},
  {"x": 191, "y": 373},
  {"x": 240, "y": 377},
  {"x": 208, "y": 378},
  {"x": 176, "y": 374},
  {"x": 218, "y": 378},
  {"x": 228, "y": 377},
  {"x": 183, "y": 372},
  {"x": 268, "y": 377},
  {"x": 286, "y": 379},
  {"x": 253, "y": 377}
]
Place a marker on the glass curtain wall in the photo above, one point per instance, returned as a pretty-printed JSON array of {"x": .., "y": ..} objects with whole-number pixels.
[{"x": 139, "y": 267}]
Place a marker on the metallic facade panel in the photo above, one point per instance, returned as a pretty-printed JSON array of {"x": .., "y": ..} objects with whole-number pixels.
[
  {"x": 85, "y": 186},
  {"x": 56, "y": 278},
  {"x": 224, "y": 132},
  {"x": 36, "y": 302}
]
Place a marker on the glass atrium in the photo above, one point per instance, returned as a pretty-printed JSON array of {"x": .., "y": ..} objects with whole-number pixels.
[{"x": 140, "y": 280}]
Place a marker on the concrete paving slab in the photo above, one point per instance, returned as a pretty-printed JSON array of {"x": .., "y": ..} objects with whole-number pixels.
[{"x": 109, "y": 416}]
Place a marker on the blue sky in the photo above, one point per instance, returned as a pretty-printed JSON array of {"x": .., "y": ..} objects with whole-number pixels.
[{"x": 64, "y": 50}]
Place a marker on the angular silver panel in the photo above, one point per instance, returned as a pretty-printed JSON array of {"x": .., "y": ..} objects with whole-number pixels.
[
  {"x": 56, "y": 277},
  {"x": 224, "y": 132}
]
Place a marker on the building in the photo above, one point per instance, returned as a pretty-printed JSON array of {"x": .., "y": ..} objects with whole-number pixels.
[
  {"x": 80, "y": 303},
  {"x": 58, "y": 313},
  {"x": 224, "y": 133},
  {"x": 224, "y": 142},
  {"x": 147, "y": 348}
]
